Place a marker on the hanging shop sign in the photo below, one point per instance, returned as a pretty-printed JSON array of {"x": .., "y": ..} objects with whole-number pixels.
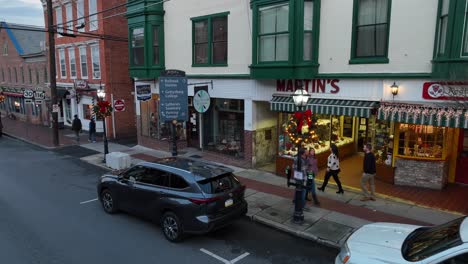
[
  {"x": 445, "y": 90},
  {"x": 330, "y": 86},
  {"x": 173, "y": 96},
  {"x": 81, "y": 84},
  {"x": 201, "y": 101},
  {"x": 143, "y": 92}
]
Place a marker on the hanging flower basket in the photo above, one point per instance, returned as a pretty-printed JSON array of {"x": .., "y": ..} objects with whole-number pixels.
[{"x": 102, "y": 109}]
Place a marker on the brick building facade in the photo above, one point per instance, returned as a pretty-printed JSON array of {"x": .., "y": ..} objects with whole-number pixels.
[
  {"x": 23, "y": 66},
  {"x": 92, "y": 54}
]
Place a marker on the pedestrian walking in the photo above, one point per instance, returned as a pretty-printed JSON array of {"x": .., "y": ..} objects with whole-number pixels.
[
  {"x": 300, "y": 171},
  {"x": 1, "y": 125},
  {"x": 76, "y": 127},
  {"x": 333, "y": 168},
  {"x": 312, "y": 170},
  {"x": 92, "y": 131},
  {"x": 368, "y": 174}
]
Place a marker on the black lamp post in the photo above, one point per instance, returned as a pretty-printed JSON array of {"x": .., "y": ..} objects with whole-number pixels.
[
  {"x": 2, "y": 99},
  {"x": 101, "y": 95},
  {"x": 174, "y": 138},
  {"x": 300, "y": 97}
]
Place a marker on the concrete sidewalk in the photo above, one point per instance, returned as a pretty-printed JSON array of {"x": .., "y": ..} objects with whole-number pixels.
[{"x": 270, "y": 202}]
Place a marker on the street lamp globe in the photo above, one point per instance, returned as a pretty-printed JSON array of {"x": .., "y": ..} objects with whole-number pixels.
[
  {"x": 101, "y": 94},
  {"x": 301, "y": 97}
]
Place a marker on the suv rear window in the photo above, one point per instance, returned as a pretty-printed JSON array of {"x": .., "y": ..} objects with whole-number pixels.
[{"x": 219, "y": 184}]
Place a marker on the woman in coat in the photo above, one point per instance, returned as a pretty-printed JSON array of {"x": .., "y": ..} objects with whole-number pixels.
[
  {"x": 312, "y": 171},
  {"x": 333, "y": 168}
]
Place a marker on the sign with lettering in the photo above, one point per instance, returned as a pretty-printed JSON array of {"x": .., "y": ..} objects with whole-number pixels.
[
  {"x": 445, "y": 90},
  {"x": 39, "y": 95},
  {"x": 81, "y": 84},
  {"x": 173, "y": 98},
  {"x": 143, "y": 92},
  {"x": 28, "y": 94},
  {"x": 330, "y": 86},
  {"x": 119, "y": 105}
]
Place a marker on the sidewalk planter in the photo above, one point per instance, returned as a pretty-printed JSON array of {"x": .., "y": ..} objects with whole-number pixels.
[
  {"x": 420, "y": 173},
  {"x": 385, "y": 173}
]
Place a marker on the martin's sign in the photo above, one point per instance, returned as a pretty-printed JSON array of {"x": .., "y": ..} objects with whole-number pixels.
[{"x": 310, "y": 85}]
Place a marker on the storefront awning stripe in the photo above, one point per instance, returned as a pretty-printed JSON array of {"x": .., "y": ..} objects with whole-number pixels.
[
  {"x": 424, "y": 115},
  {"x": 281, "y": 103}
]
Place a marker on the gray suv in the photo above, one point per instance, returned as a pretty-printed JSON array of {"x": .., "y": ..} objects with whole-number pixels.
[{"x": 184, "y": 195}]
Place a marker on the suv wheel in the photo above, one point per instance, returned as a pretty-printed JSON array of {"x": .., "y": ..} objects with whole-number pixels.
[
  {"x": 108, "y": 202},
  {"x": 172, "y": 227}
]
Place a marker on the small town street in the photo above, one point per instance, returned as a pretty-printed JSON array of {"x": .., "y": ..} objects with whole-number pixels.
[{"x": 49, "y": 215}]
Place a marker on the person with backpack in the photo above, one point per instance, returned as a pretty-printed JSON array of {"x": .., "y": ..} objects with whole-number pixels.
[{"x": 312, "y": 171}]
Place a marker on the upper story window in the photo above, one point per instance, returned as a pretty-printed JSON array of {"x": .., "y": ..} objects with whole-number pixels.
[
  {"x": 3, "y": 75},
  {"x": 83, "y": 62},
  {"x": 63, "y": 68},
  {"x": 96, "y": 62},
  {"x": 273, "y": 35},
  {"x": 308, "y": 30},
  {"x": 210, "y": 40},
  {"x": 371, "y": 22},
  {"x": 80, "y": 15},
  {"x": 156, "y": 59},
  {"x": 93, "y": 23},
  {"x": 30, "y": 75},
  {"x": 465, "y": 33},
  {"x": 72, "y": 62},
  {"x": 45, "y": 75},
  {"x": 9, "y": 75},
  {"x": 22, "y": 74},
  {"x": 37, "y": 76},
  {"x": 5, "y": 48},
  {"x": 443, "y": 24},
  {"x": 58, "y": 19},
  {"x": 69, "y": 18},
  {"x": 138, "y": 46},
  {"x": 16, "y": 75}
]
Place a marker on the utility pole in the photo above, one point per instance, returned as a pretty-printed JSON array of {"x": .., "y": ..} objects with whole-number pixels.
[{"x": 53, "y": 81}]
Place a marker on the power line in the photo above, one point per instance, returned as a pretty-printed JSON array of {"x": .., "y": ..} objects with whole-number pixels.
[{"x": 100, "y": 12}]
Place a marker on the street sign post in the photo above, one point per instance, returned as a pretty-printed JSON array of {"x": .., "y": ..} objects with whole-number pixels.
[
  {"x": 119, "y": 105},
  {"x": 173, "y": 94},
  {"x": 28, "y": 94}
]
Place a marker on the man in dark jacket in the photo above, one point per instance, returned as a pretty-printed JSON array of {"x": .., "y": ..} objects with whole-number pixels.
[
  {"x": 92, "y": 131},
  {"x": 76, "y": 127},
  {"x": 368, "y": 174}
]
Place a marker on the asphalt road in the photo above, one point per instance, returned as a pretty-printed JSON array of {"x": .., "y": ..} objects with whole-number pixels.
[{"x": 45, "y": 218}]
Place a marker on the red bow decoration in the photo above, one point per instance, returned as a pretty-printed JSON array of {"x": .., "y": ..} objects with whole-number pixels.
[{"x": 300, "y": 116}]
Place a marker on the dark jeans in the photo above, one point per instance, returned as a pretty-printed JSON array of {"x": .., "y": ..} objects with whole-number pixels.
[
  {"x": 334, "y": 174},
  {"x": 311, "y": 188}
]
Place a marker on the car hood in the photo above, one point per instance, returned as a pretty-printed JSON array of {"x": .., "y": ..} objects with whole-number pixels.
[{"x": 380, "y": 242}]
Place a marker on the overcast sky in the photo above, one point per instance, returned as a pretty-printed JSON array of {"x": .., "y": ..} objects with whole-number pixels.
[{"x": 28, "y": 12}]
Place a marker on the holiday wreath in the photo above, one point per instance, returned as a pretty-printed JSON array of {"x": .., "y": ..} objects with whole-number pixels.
[
  {"x": 299, "y": 128},
  {"x": 102, "y": 109}
]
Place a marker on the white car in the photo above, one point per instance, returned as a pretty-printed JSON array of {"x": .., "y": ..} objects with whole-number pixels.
[{"x": 391, "y": 243}]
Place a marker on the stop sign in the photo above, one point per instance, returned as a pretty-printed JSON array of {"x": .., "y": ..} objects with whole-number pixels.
[{"x": 119, "y": 105}]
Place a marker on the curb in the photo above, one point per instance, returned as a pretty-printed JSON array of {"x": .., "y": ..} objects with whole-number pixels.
[
  {"x": 297, "y": 233},
  {"x": 31, "y": 142}
]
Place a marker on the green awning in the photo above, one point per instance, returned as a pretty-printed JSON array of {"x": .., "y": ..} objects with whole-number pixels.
[
  {"x": 447, "y": 115},
  {"x": 282, "y": 103}
]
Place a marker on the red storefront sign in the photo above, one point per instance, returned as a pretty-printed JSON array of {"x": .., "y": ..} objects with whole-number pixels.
[
  {"x": 310, "y": 85},
  {"x": 445, "y": 90}
]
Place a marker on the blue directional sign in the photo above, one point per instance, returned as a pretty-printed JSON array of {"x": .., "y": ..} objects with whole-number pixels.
[{"x": 173, "y": 97}]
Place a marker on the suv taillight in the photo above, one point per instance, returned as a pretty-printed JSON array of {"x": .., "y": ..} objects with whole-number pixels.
[{"x": 204, "y": 200}]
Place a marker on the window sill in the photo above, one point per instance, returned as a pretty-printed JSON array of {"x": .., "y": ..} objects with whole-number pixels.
[
  {"x": 376, "y": 60},
  {"x": 209, "y": 65}
]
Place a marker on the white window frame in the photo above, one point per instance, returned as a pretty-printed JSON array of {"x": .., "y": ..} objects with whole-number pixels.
[
  {"x": 69, "y": 17},
  {"x": 93, "y": 23},
  {"x": 83, "y": 53},
  {"x": 71, "y": 62},
  {"x": 59, "y": 20},
  {"x": 62, "y": 59},
  {"x": 95, "y": 59},
  {"x": 80, "y": 14}
]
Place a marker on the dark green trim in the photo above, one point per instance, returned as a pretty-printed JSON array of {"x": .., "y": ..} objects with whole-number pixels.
[
  {"x": 465, "y": 36},
  {"x": 371, "y": 60},
  {"x": 208, "y": 18},
  {"x": 139, "y": 15},
  {"x": 295, "y": 67},
  {"x": 219, "y": 76},
  {"x": 360, "y": 60},
  {"x": 451, "y": 65},
  {"x": 374, "y": 75}
]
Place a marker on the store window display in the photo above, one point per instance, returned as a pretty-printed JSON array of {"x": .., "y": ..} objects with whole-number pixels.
[
  {"x": 327, "y": 129},
  {"x": 422, "y": 141}
]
